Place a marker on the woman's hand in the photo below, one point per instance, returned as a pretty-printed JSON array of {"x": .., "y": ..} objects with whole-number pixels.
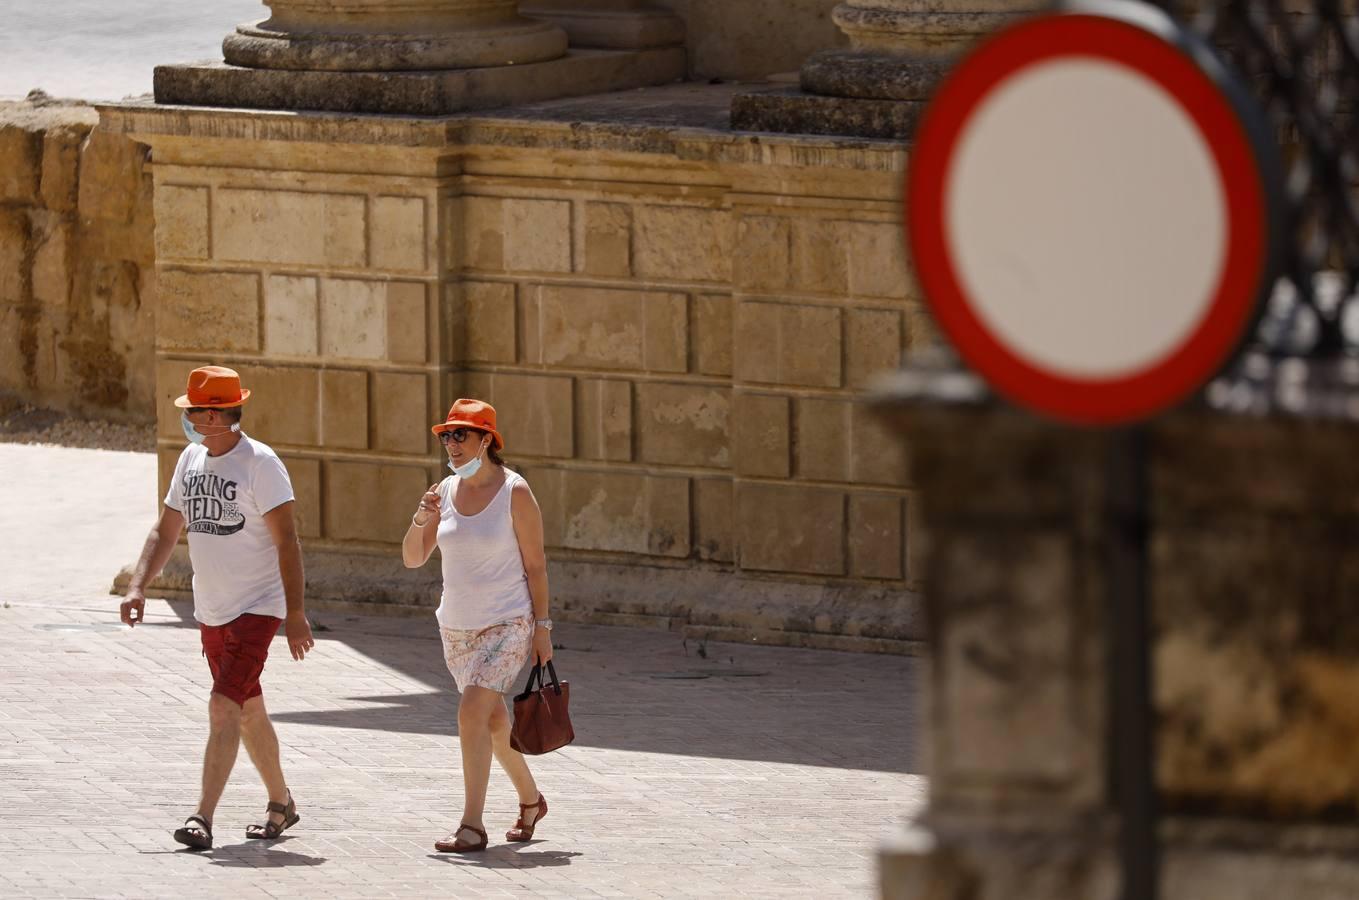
[
  {"x": 542, "y": 645},
  {"x": 429, "y": 507}
]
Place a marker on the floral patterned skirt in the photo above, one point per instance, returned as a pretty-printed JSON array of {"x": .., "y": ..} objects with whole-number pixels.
[{"x": 490, "y": 657}]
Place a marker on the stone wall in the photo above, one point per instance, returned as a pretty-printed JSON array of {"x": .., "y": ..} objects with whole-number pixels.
[
  {"x": 77, "y": 281},
  {"x": 674, "y": 325}
]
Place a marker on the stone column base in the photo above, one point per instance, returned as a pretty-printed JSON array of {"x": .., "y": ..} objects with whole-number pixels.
[
  {"x": 429, "y": 93},
  {"x": 700, "y": 604},
  {"x": 614, "y": 29},
  {"x": 791, "y": 111},
  {"x": 504, "y": 43}
]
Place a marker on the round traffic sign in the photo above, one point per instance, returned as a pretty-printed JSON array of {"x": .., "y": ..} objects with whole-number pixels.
[{"x": 1091, "y": 206}]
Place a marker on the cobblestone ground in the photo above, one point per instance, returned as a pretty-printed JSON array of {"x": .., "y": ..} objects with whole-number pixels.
[{"x": 738, "y": 771}]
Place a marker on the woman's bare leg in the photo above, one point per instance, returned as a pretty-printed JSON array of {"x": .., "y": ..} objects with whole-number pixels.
[
  {"x": 474, "y": 740},
  {"x": 512, "y": 761}
]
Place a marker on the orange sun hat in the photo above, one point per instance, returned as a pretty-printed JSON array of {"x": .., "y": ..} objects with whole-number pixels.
[
  {"x": 213, "y": 387},
  {"x": 471, "y": 414}
]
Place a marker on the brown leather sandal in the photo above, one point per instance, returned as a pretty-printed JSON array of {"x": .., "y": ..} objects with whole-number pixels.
[
  {"x": 521, "y": 832},
  {"x": 195, "y": 836},
  {"x": 455, "y": 844},
  {"x": 271, "y": 829}
]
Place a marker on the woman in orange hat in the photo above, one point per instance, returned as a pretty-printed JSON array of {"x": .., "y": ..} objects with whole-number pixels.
[{"x": 494, "y": 610}]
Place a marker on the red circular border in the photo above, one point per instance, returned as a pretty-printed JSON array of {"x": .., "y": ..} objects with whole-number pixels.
[{"x": 1169, "y": 380}]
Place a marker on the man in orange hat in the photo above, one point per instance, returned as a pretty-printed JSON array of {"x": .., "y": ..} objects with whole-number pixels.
[{"x": 234, "y": 496}]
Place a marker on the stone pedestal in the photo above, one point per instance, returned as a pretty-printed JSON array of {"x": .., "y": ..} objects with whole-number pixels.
[
  {"x": 1256, "y": 662},
  {"x": 611, "y": 24},
  {"x": 877, "y": 86},
  {"x": 392, "y": 35},
  {"x": 412, "y": 57}
]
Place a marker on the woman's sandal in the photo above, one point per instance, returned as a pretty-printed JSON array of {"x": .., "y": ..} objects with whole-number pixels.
[
  {"x": 455, "y": 844},
  {"x": 271, "y": 829},
  {"x": 197, "y": 837},
  {"x": 521, "y": 832}
]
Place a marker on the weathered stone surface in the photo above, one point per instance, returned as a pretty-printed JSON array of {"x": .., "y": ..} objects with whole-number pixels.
[
  {"x": 399, "y": 234},
  {"x": 284, "y": 404},
  {"x": 714, "y": 513},
  {"x": 401, "y": 412},
  {"x": 876, "y": 536},
  {"x": 305, "y": 475},
  {"x": 790, "y": 529},
  {"x": 182, "y": 222},
  {"x": 432, "y": 93},
  {"x": 604, "y": 419},
  {"x": 682, "y": 242},
  {"x": 60, "y": 182},
  {"x": 344, "y": 408},
  {"x": 296, "y": 227},
  {"x": 353, "y": 318},
  {"x": 873, "y": 342},
  {"x": 15, "y": 269},
  {"x": 533, "y": 412},
  {"x": 605, "y": 329},
  {"x": 790, "y": 111},
  {"x": 878, "y": 263},
  {"x": 625, "y": 513},
  {"x": 711, "y": 349},
  {"x": 407, "y": 318},
  {"x": 745, "y": 41},
  {"x": 764, "y": 253},
  {"x": 52, "y": 266},
  {"x": 608, "y": 240},
  {"x": 489, "y": 319},
  {"x": 208, "y": 311},
  {"x": 762, "y": 434},
  {"x": 517, "y": 235},
  {"x": 370, "y": 501},
  {"x": 686, "y": 425},
  {"x": 610, "y": 25},
  {"x": 20, "y": 164},
  {"x": 290, "y": 316},
  {"x": 111, "y": 179},
  {"x": 784, "y": 344}
]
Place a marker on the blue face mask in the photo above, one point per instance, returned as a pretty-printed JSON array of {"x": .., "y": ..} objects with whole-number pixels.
[
  {"x": 193, "y": 435},
  {"x": 467, "y": 469}
]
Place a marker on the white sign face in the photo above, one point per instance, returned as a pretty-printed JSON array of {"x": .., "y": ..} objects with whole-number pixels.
[
  {"x": 1087, "y": 219},
  {"x": 1092, "y": 207}
]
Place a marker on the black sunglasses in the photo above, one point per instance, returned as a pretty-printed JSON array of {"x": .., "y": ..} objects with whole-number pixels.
[{"x": 457, "y": 434}]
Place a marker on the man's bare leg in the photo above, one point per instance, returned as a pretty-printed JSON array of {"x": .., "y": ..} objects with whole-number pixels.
[
  {"x": 224, "y": 736},
  {"x": 261, "y": 742}
]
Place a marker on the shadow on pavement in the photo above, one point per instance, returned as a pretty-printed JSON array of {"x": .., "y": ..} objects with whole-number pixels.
[
  {"x": 504, "y": 858},
  {"x": 254, "y": 857},
  {"x": 648, "y": 691}
]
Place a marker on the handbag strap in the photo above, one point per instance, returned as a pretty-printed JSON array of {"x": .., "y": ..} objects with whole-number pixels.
[{"x": 552, "y": 673}]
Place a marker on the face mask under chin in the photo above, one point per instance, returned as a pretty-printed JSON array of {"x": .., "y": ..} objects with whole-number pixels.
[{"x": 469, "y": 468}]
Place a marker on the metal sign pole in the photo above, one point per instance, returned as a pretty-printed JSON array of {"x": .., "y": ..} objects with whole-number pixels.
[{"x": 1132, "y": 746}]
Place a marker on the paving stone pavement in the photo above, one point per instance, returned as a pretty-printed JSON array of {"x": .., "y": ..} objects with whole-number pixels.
[{"x": 736, "y": 771}]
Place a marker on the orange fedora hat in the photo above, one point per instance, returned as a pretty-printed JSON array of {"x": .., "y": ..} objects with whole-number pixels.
[
  {"x": 213, "y": 387},
  {"x": 471, "y": 414}
]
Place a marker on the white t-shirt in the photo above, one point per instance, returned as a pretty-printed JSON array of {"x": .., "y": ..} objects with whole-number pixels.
[{"x": 224, "y": 499}]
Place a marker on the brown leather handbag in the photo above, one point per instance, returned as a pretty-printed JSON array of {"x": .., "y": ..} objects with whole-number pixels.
[{"x": 542, "y": 722}]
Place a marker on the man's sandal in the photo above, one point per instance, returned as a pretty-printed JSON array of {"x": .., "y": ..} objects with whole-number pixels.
[
  {"x": 271, "y": 829},
  {"x": 198, "y": 837},
  {"x": 521, "y": 832},
  {"x": 455, "y": 844}
]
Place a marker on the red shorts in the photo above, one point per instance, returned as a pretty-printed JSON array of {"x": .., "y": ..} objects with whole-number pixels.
[{"x": 236, "y": 653}]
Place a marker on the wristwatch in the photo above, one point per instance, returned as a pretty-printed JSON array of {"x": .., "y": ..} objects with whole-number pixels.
[{"x": 545, "y": 624}]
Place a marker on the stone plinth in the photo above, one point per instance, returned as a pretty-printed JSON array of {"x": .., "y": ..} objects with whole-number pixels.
[
  {"x": 1255, "y": 662},
  {"x": 392, "y": 35},
  {"x": 898, "y": 51},
  {"x": 611, "y": 24}
]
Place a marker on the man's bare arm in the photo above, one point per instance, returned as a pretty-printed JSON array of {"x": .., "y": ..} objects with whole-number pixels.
[
  {"x": 284, "y": 532},
  {"x": 160, "y": 543}
]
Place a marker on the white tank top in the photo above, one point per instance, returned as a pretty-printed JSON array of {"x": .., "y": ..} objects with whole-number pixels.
[{"x": 484, "y": 580}]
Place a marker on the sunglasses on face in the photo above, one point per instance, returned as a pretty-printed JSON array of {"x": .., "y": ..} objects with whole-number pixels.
[{"x": 457, "y": 434}]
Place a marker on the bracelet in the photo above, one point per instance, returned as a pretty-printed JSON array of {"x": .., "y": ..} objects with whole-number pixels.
[{"x": 419, "y": 524}]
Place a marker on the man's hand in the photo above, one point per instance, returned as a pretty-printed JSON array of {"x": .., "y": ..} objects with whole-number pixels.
[
  {"x": 542, "y": 646},
  {"x": 133, "y": 609},
  {"x": 298, "y": 630}
]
